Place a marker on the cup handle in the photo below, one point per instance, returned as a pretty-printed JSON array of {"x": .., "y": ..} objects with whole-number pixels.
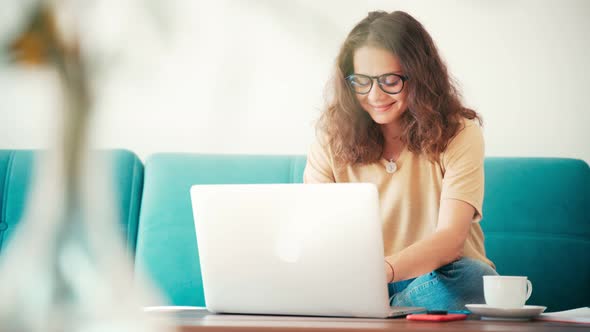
[{"x": 529, "y": 289}]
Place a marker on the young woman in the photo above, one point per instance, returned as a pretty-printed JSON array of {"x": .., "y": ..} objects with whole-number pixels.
[{"x": 395, "y": 119}]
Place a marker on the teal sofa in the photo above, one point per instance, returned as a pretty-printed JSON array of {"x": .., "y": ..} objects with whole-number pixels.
[
  {"x": 16, "y": 175},
  {"x": 536, "y": 220}
]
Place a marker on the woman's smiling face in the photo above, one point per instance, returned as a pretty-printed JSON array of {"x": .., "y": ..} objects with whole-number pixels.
[{"x": 383, "y": 108}]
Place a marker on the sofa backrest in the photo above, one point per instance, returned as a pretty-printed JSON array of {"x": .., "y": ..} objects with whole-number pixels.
[
  {"x": 535, "y": 220},
  {"x": 16, "y": 171},
  {"x": 537, "y": 224},
  {"x": 166, "y": 246}
]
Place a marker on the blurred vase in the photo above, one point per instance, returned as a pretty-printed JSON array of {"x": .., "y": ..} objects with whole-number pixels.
[{"x": 66, "y": 268}]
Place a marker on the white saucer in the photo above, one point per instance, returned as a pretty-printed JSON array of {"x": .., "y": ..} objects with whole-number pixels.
[{"x": 487, "y": 311}]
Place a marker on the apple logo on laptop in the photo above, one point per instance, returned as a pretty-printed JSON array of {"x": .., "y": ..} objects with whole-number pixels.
[{"x": 290, "y": 240}]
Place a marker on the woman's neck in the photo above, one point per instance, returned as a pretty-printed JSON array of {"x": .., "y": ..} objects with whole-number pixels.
[
  {"x": 391, "y": 132},
  {"x": 392, "y": 145}
]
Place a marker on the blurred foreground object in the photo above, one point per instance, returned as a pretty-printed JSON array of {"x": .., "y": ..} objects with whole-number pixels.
[
  {"x": 34, "y": 45},
  {"x": 66, "y": 268}
]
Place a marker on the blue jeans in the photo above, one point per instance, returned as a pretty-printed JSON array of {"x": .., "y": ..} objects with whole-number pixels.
[{"x": 450, "y": 287}]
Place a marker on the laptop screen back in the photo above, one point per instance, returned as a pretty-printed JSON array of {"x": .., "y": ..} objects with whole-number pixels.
[{"x": 293, "y": 249}]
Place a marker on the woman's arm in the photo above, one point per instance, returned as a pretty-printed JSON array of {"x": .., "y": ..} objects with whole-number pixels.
[
  {"x": 444, "y": 246},
  {"x": 460, "y": 205},
  {"x": 318, "y": 168}
]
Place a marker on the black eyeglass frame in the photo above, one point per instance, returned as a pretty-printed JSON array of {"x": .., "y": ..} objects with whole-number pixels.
[{"x": 404, "y": 78}]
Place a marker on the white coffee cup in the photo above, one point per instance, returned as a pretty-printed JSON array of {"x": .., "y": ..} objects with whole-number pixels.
[{"x": 506, "y": 291}]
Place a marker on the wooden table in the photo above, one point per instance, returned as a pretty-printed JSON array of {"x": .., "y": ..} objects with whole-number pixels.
[{"x": 201, "y": 320}]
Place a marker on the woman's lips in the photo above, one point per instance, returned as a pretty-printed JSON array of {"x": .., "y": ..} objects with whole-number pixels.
[{"x": 382, "y": 108}]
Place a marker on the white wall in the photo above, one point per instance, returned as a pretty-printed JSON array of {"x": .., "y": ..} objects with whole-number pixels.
[{"x": 248, "y": 76}]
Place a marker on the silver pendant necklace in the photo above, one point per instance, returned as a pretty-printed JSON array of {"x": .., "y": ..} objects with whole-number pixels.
[{"x": 391, "y": 166}]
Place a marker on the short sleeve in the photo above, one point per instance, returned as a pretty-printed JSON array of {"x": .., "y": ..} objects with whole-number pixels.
[
  {"x": 463, "y": 168},
  {"x": 318, "y": 168}
]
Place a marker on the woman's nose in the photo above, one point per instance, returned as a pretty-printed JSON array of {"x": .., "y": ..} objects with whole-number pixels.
[{"x": 376, "y": 93}]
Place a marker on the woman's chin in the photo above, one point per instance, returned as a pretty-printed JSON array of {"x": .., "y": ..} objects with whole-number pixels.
[{"x": 383, "y": 120}]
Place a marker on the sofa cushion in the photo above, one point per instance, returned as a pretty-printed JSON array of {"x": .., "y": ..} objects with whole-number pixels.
[
  {"x": 166, "y": 246},
  {"x": 536, "y": 224},
  {"x": 16, "y": 168}
]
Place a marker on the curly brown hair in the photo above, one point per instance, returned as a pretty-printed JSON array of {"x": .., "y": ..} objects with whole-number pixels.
[{"x": 434, "y": 112}]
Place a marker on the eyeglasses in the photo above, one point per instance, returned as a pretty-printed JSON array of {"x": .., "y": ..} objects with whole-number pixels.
[{"x": 389, "y": 83}]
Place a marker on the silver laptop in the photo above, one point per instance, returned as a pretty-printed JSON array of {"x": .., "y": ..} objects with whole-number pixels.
[{"x": 292, "y": 249}]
